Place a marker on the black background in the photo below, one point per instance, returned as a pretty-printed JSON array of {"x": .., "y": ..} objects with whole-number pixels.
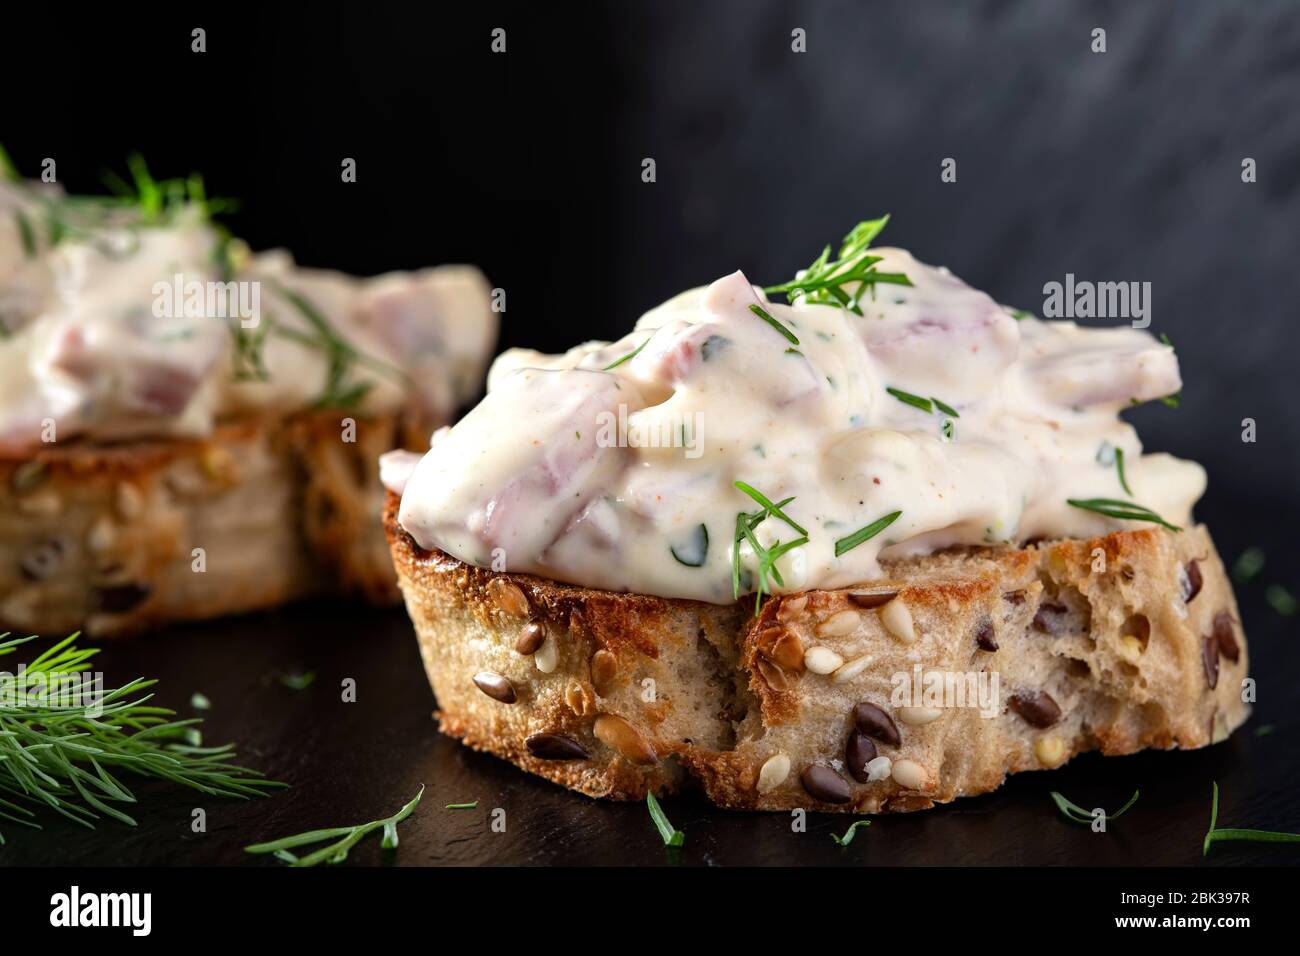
[{"x": 1117, "y": 166}]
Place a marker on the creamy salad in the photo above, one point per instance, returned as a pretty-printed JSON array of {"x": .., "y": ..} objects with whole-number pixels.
[
  {"x": 732, "y": 443},
  {"x": 120, "y": 321}
]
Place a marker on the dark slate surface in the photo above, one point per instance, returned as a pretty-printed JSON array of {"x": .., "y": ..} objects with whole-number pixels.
[{"x": 1118, "y": 166}]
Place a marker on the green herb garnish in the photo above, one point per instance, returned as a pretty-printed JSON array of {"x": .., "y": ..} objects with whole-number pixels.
[
  {"x": 1248, "y": 565},
  {"x": 767, "y": 317},
  {"x": 1077, "y": 814},
  {"x": 1215, "y": 835},
  {"x": 1119, "y": 465},
  {"x": 200, "y": 701},
  {"x": 628, "y": 357},
  {"x": 927, "y": 405},
  {"x": 1117, "y": 508},
  {"x": 28, "y": 234},
  {"x": 848, "y": 834},
  {"x": 1280, "y": 600},
  {"x": 693, "y": 552},
  {"x": 298, "y": 681},
  {"x": 849, "y": 542},
  {"x": 670, "y": 836},
  {"x": 62, "y": 737},
  {"x": 771, "y": 508},
  {"x": 462, "y": 806},
  {"x": 337, "y": 851},
  {"x": 823, "y": 282}
]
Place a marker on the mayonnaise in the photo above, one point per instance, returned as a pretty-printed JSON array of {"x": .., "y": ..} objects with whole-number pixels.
[
  {"x": 97, "y": 338},
  {"x": 622, "y": 474}
]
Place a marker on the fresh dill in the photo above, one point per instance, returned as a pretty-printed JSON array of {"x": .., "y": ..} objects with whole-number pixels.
[
  {"x": 1077, "y": 814},
  {"x": 64, "y": 738},
  {"x": 628, "y": 357},
  {"x": 670, "y": 835},
  {"x": 1216, "y": 835},
  {"x": 842, "y": 281},
  {"x": 866, "y": 533}
]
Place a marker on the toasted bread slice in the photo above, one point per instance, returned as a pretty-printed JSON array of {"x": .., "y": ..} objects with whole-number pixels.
[
  {"x": 110, "y": 539},
  {"x": 1114, "y": 644}
]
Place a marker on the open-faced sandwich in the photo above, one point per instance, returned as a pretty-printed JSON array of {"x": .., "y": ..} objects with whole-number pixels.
[
  {"x": 871, "y": 550},
  {"x": 188, "y": 429}
]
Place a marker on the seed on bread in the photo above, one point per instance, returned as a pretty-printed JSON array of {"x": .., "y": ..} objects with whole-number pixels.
[
  {"x": 875, "y": 723},
  {"x": 822, "y": 660},
  {"x": 1038, "y": 708},
  {"x": 871, "y": 599},
  {"x": 773, "y": 675},
  {"x": 604, "y": 668},
  {"x": 1050, "y": 618},
  {"x": 580, "y": 698},
  {"x": 824, "y": 784},
  {"x": 852, "y": 669},
  {"x": 101, "y": 536},
  {"x": 792, "y": 608},
  {"x": 496, "y": 686},
  {"x": 984, "y": 639},
  {"x": 782, "y": 647},
  {"x": 1227, "y": 641},
  {"x": 45, "y": 503},
  {"x": 530, "y": 638},
  {"x": 773, "y": 773},
  {"x": 1191, "y": 580},
  {"x": 1051, "y": 751},
  {"x": 918, "y": 716},
  {"x": 1014, "y": 597},
  {"x": 620, "y": 735},
  {"x": 546, "y": 746},
  {"x": 910, "y": 774},
  {"x": 547, "y": 657},
  {"x": 129, "y": 501},
  {"x": 1210, "y": 659},
  {"x": 508, "y": 597},
  {"x": 839, "y": 624},
  {"x": 1130, "y": 647},
  {"x": 858, "y": 752},
  {"x": 897, "y": 619}
]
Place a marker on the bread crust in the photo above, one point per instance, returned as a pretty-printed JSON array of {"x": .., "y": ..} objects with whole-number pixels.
[
  {"x": 113, "y": 539},
  {"x": 1104, "y": 627}
]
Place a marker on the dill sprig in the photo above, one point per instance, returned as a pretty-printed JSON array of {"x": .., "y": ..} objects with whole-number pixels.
[
  {"x": 341, "y": 388},
  {"x": 850, "y": 541},
  {"x": 746, "y": 522},
  {"x": 927, "y": 405},
  {"x": 347, "y": 838},
  {"x": 850, "y": 832},
  {"x": 628, "y": 357},
  {"x": 1118, "y": 508},
  {"x": 670, "y": 835},
  {"x": 62, "y": 736},
  {"x": 825, "y": 281}
]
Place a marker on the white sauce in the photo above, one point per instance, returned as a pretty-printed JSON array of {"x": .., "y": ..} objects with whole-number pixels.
[
  {"x": 82, "y": 343},
  {"x": 530, "y": 472}
]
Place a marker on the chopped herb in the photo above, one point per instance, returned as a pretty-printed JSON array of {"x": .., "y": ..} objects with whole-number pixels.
[
  {"x": 927, "y": 405},
  {"x": 693, "y": 553},
  {"x": 793, "y": 352},
  {"x": 946, "y": 409},
  {"x": 770, "y": 508},
  {"x": 1173, "y": 401},
  {"x": 767, "y": 557},
  {"x": 947, "y": 430},
  {"x": 1215, "y": 835},
  {"x": 713, "y": 345},
  {"x": 1248, "y": 565},
  {"x": 298, "y": 681},
  {"x": 1119, "y": 465},
  {"x": 200, "y": 701},
  {"x": 462, "y": 806},
  {"x": 1116, "y": 508},
  {"x": 823, "y": 282},
  {"x": 767, "y": 317},
  {"x": 848, "y": 834},
  {"x": 670, "y": 836},
  {"x": 1280, "y": 600},
  {"x": 29, "y": 236},
  {"x": 849, "y": 542},
  {"x": 337, "y": 851},
  {"x": 1019, "y": 314},
  {"x": 1263, "y": 730},
  {"x": 628, "y": 357},
  {"x": 1077, "y": 814}
]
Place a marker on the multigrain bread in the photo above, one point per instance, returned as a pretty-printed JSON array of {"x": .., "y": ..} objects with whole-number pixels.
[
  {"x": 1116, "y": 644},
  {"x": 111, "y": 539}
]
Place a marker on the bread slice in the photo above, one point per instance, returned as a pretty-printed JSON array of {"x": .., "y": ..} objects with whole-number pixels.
[
  {"x": 1114, "y": 644},
  {"x": 111, "y": 539}
]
